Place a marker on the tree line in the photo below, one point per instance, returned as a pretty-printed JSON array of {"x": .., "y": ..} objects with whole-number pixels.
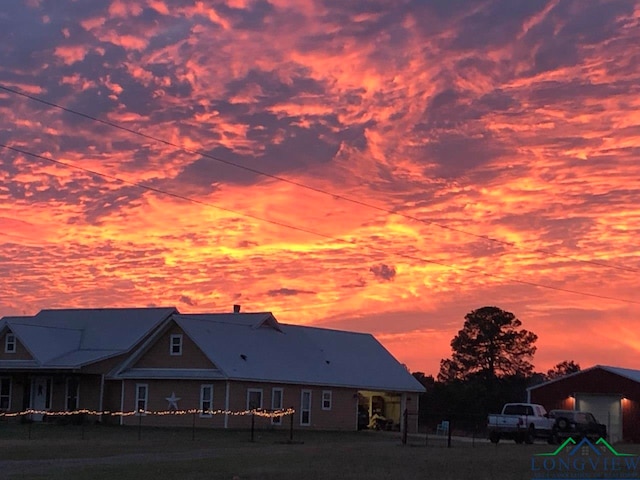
[{"x": 491, "y": 364}]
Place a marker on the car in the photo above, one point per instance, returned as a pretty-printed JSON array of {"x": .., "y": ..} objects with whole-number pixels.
[{"x": 576, "y": 424}]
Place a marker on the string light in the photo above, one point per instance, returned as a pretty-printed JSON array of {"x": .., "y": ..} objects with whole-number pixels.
[{"x": 256, "y": 412}]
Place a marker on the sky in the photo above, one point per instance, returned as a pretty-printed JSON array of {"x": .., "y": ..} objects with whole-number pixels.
[{"x": 377, "y": 166}]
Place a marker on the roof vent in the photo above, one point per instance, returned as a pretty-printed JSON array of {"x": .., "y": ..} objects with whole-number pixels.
[
  {"x": 236, "y": 309},
  {"x": 243, "y": 356}
]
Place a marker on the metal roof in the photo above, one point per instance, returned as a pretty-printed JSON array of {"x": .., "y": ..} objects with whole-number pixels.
[
  {"x": 629, "y": 373},
  {"x": 257, "y": 348},
  {"x": 76, "y": 337},
  {"x": 244, "y": 346}
]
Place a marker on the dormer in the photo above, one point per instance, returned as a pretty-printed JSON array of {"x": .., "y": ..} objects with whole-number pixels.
[
  {"x": 268, "y": 322},
  {"x": 10, "y": 346}
]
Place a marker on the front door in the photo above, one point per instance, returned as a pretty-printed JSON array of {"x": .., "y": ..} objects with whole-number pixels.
[{"x": 40, "y": 396}]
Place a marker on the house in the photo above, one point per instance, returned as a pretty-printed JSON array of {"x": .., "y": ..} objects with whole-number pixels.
[
  {"x": 612, "y": 394},
  {"x": 224, "y": 365}
]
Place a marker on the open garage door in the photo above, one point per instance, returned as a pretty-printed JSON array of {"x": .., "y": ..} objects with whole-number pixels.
[{"x": 607, "y": 409}]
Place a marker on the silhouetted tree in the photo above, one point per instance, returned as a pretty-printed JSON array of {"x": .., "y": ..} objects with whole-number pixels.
[
  {"x": 490, "y": 345},
  {"x": 427, "y": 381},
  {"x": 563, "y": 368}
]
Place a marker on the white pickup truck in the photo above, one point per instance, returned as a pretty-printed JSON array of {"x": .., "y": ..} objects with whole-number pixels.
[{"x": 522, "y": 422}]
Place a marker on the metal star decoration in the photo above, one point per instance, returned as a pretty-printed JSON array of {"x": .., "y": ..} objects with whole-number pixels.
[{"x": 173, "y": 401}]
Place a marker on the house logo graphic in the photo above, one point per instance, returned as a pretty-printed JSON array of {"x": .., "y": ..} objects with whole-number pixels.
[{"x": 585, "y": 459}]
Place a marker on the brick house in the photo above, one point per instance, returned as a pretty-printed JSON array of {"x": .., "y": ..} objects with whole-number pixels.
[{"x": 156, "y": 359}]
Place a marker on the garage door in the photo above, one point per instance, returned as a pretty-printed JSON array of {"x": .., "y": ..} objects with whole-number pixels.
[{"x": 606, "y": 409}]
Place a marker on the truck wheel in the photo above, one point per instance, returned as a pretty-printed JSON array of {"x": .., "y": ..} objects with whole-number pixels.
[
  {"x": 530, "y": 436},
  {"x": 494, "y": 437},
  {"x": 563, "y": 424}
]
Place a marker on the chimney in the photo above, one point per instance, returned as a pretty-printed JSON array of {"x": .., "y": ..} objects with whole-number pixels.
[{"x": 236, "y": 309}]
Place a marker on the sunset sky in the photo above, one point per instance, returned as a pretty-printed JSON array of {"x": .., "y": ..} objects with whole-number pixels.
[{"x": 382, "y": 166}]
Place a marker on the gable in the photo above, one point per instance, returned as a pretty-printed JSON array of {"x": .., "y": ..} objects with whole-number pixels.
[
  {"x": 160, "y": 354},
  {"x": 19, "y": 351}
]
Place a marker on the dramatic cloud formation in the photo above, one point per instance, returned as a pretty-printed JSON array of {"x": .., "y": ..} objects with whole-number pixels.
[{"x": 382, "y": 166}]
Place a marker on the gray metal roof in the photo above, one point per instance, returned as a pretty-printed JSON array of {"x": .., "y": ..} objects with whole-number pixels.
[
  {"x": 244, "y": 346},
  {"x": 75, "y": 337},
  {"x": 255, "y": 347}
]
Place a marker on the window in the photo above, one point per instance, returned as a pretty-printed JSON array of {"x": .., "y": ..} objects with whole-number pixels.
[
  {"x": 326, "y": 399},
  {"x": 5, "y": 393},
  {"x": 10, "y": 343},
  {"x": 206, "y": 400},
  {"x": 142, "y": 396},
  {"x": 276, "y": 404},
  {"x": 73, "y": 392},
  {"x": 254, "y": 398},
  {"x": 175, "y": 346},
  {"x": 305, "y": 407}
]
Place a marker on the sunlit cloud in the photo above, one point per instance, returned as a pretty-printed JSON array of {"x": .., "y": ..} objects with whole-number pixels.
[{"x": 457, "y": 156}]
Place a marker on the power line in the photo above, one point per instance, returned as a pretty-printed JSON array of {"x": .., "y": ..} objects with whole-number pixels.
[
  {"x": 311, "y": 232},
  {"x": 313, "y": 189}
]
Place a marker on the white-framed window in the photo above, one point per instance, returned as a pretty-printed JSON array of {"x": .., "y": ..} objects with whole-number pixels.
[
  {"x": 326, "y": 399},
  {"x": 142, "y": 398},
  {"x": 254, "y": 398},
  {"x": 10, "y": 343},
  {"x": 206, "y": 400},
  {"x": 305, "y": 407},
  {"x": 72, "y": 395},
  {"x": 277, "y": 402},
  {"x": 5, "y": 393},
  {"x": 175, "y": 344}
]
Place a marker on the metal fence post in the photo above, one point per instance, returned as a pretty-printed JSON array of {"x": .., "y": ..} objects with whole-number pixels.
[
  {"x": 449, "y": 434},
  {"x": 291, "y": 426},
  {"x": 405, "y": 424}
]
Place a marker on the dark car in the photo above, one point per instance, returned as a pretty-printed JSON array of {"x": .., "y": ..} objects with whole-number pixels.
[{"x": 576, "y": 424}]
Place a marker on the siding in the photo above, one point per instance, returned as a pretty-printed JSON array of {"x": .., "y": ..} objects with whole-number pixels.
[
  {"x": 559, "y": 394},
  {"x": 342, "y": 416},
  {"x": 189, "y": 393},
  {"x": 20, "y": 354},
  {"x": 158, "y": 355}
]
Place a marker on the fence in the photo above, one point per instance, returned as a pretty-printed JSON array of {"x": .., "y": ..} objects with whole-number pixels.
[
  {"x": 446, "y": 429},
  {"x": 80, "y": 417}
]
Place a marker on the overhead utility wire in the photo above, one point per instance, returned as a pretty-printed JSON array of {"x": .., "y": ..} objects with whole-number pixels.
[
  {"x": 305, "y": 230},
  {"x": 310, "y": 188}
]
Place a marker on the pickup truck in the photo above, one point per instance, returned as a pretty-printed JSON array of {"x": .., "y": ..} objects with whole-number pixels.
[{"x": 522, "y": 422}]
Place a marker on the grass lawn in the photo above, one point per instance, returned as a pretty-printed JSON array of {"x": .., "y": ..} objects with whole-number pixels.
[{"x": 101, "y": 452}]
